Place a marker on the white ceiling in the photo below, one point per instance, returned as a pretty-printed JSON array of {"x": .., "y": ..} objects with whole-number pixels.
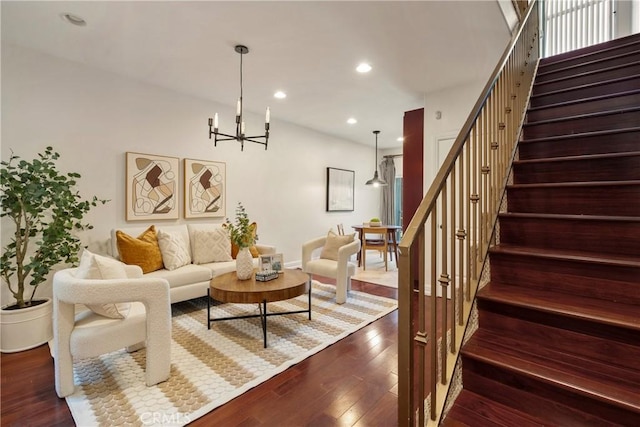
[{"x": 309, "y": 49}]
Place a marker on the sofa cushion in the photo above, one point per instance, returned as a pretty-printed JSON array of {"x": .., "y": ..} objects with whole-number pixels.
[
  {"x": 142, "y": 251},
  {"x": 174, "y": 250},
  {"x": 98, "y": 267},
  {"x": 211, "y": 246},
  {"x": 333, "y": 243},
  {"x": 185, "y": 275}
]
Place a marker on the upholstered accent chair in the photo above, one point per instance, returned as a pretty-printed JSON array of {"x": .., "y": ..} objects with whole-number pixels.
[
  {"x": 329, "y": 256},
  {"x": 144, "y": 319}
]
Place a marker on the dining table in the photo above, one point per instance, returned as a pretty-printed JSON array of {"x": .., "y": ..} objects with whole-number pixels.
[{"x": 391, "y": 232}]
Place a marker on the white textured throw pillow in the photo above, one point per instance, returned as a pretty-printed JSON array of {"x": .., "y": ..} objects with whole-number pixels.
[
  {"x": 174, "y": 250},
  {"x": 94, "y": 266},
  {"x": 211, "y": 246}
]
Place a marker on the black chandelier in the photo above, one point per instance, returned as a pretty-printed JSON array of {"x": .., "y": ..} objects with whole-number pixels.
[
  {"x": 375, "y": 181},
  {"x": 240, "y": 135}
]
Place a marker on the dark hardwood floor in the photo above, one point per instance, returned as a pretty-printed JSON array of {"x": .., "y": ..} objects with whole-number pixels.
[{"x": 351, "y": 383}]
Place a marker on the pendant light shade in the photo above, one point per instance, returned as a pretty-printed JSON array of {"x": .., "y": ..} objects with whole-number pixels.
[{"x": 376, "y": 181}]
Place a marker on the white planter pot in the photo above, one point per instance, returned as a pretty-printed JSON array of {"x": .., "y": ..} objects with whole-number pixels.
[{"x": 26, "y": 328}]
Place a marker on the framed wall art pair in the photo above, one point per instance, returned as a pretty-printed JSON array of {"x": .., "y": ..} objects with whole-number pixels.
[{"x": 153, "y": 187}]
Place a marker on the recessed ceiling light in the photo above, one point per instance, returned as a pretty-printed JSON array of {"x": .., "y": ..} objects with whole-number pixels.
[
  {"x": 352, "y": 121},
  {"x": 74, "y": 19},
  {"x": 280, "y": 95},
  {"x": 363, "y": 68},
  {"x": 400, "y": 139}
]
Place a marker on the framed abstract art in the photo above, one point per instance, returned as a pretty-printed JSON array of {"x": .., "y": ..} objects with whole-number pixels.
[
  {"x": 152, "y": 187},
  {"x": 340, "y": 190},
  {"x": 204, "y": 189}
]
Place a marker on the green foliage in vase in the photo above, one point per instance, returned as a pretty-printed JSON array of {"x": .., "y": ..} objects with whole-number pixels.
[
  {"x": 375, "y": 219},
  {"x": 242, "y": 233},
  {"x": 45, "y": 209}
]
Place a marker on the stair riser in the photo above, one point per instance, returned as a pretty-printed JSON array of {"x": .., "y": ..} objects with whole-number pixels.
[
  {"x": 558, "y": 341},
  {"x": 597, "y": 236},
  {"x": 541, "y": 87},
  {"x": 581, "y": 124},
  {"x": 623, "y": 336},
  {"x": 621, "y": 85},
  {"x": 600, "y": 59},
  {"x": 535, "y": 397},
  {"x": 567, "y": 276},
  {"x": 581, "y": 145},
  {"x": 621, "y": 168},
  {"x": 624, "y": 200},
  {"x": 623, "y": 60},
  {"x": 606, "y": 46},
  {"x": 586, "y": 107}
]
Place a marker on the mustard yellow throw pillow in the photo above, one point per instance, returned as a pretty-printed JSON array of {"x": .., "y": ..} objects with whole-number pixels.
[
  {"x": 254, "y": 251},
  {"x": 143, "y": 251},
  {"x": 333, "y": 243}
]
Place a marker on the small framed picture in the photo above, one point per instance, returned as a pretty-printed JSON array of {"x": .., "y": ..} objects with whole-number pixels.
[{"x": 272, "y": 262}]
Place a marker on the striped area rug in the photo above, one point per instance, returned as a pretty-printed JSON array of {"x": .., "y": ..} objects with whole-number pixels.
[{"x": 211, "y": 367}]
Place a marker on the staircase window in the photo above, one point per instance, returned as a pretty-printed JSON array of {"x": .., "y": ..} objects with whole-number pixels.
[{"x": 575, "y": 24}]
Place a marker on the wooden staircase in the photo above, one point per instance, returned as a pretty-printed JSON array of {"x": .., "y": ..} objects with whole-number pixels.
[{"x": 558, "y": 342}]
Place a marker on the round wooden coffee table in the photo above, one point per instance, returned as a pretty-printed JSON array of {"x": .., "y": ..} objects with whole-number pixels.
[{"x": 227, "y": 288}]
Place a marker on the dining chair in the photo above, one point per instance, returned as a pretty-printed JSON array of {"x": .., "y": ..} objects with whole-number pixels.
[{"x": 380, "y": 243}]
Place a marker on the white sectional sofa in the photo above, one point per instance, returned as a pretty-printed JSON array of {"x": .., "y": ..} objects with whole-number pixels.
[{"x": 191, "y": 280}]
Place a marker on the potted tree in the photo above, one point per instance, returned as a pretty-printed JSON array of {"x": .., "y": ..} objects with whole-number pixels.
[{"x": 44, "y": 209}]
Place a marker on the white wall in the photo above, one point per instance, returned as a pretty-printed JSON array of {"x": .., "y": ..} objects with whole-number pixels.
[
  {"x": 454, "y": 105},
  {"x": 92, "y": 118}
]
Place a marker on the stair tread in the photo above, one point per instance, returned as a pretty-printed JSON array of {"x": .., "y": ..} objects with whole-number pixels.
[
  {"x": 581, "y": 256},
  {"x": 584, "y": 366},
  {"x": 586, "y": 157},
  {"x": 489, "y": 411},
  {"x": 611, "y": 218},
  {"x": 546, "y": 62},
  {"x": 567, "y": 376},
  {"x": 602, "y": 133},
  {"x": 575, "y": 306},
  {"x": 584, "y": 100},
  {"x": 585, "y": 86},
  {"x": 583, "y": 116},
  {"x": 587, "y": 73},
  {"x": 576, "y": 184}
]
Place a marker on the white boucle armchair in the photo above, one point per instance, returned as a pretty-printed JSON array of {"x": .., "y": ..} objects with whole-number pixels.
[
  {"x": 340, "y": 270},
  {"x": 87, "y": 334}
]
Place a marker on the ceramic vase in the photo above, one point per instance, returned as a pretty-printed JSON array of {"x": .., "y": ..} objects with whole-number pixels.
[{"x": 244, "y": 264}]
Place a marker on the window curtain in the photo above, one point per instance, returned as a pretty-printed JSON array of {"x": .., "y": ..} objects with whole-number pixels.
[{"x": 388, "y": 172}]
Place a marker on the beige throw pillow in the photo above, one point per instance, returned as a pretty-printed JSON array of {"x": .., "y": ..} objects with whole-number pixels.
[
  {"x": 94, "y": 266},
  {"x": 211, "y": 246},
  {"x": 174, "y": 249},
  {"x": 333, "y": 243}
]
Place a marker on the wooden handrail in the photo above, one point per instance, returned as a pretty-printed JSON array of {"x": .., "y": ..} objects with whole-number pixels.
[{"x": 464, "y": 198}]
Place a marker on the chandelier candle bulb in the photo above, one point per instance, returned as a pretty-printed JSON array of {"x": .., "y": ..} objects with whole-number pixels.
[
  {"x": 215, "y": 121},
  {"x": 242, "y": 128},
  {"x": 239, "y": 108},
  {"x": 267, "y": 116}
]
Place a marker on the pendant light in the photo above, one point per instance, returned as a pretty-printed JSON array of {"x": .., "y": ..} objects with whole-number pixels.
[{"x": 375, "y": 181}]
